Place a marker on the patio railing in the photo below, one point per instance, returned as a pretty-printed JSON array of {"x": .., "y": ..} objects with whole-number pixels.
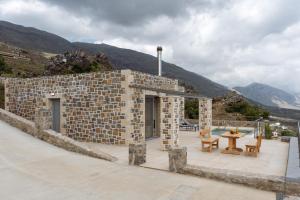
[
  {"x": 257, "y": 125},
  {"x": 299, "y": 138},
  {"x": 231, "y": 123}
]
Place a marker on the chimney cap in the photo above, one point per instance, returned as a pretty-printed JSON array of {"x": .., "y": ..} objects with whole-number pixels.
[{"x": 159, "y": 48}]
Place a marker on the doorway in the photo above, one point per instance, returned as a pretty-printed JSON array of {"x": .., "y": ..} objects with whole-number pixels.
[
  {"x": 151, "y": 117},
  {"x": 56, "y": 114}
]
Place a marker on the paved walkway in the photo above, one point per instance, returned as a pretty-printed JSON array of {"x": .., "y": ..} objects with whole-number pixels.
[{"x": 31, "y": 169}]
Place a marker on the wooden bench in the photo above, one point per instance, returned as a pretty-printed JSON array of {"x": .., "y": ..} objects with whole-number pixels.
[
  {"x": 207, "y": 141},
  {"x": 254, "y": 148}
]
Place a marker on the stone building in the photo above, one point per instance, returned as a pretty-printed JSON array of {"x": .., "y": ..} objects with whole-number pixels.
[{"x": 112, "y": 107}]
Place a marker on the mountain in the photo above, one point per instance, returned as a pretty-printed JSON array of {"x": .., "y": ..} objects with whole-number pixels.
[
  {"x": 32, "y": 38},
  {"x": 297, "y": 102},
  {"x": 33, "y": 47},
  {"x": 37, "y": 40},
  {"x": 269, "y": 96}
]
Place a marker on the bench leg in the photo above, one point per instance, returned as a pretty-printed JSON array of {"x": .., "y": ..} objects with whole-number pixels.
[{"x": 210, "y": 147}]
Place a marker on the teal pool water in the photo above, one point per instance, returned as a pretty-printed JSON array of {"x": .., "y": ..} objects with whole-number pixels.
[{"x": 219, "y": 131}]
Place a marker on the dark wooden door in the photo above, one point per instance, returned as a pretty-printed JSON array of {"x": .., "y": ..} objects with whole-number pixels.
[
  {"x": 149, "y": 117},
  {"x": 56, "y": 115}
]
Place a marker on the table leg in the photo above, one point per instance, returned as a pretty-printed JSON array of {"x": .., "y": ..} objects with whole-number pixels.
[{"x": 231, "y": 149}]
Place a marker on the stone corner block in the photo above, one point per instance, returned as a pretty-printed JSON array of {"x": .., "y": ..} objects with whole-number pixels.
[
  {"x": 43, "y": 119},
  {"x": 177, "y": 159},
  {"x": 137, "y": 154}
]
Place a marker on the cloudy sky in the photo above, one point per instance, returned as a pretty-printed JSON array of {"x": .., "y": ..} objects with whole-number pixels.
[{"x": 233, "y": 42}]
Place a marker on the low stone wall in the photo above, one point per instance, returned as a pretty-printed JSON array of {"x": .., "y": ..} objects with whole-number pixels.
[
  {"x": 157, "y": 82},
  {"x": 270, "y": 183},
  {"x": 279, "y": 184},
  {"x": 137, "y": 154},
  {"x": 51, "y": 136},
  {"x": 177, "y": 159},
  {"x": 258, "y": 181}
]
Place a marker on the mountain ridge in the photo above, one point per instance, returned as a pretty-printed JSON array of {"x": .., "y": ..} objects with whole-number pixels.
[
  {"x": 268, "y": 95},
  {"x": 38, "y": 40}
]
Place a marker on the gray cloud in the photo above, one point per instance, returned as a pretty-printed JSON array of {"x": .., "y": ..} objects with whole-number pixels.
[
  {"x": 232, "y": 42},
  {"x": 132, "y": 12},
  {"x": 129, "y": 12}
]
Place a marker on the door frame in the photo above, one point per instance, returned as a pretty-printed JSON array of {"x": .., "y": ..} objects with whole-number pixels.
[
  {"x": 52, "y": 103},
  {"x": 48, "y": 99},
  {"x": 156, "y": 116}
]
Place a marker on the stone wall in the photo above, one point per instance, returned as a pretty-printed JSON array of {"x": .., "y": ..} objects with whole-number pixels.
[
  {"x": 2, "y": 80},
  {"x": 170, "y": 112},
  {"x": 178, "y": 164},
  {"x": 181, "y": 111},
  {"x": 156, "y": 82},
  {"x": 205, "y": 113},
  {"x": 90, "y": 103},
  {"x": 97, "y": 107},
  {"x": 50, "y": 136}
]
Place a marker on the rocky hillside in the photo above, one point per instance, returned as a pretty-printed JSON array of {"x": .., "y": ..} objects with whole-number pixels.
[
  {"x": 77, "y": 62},
  {"x": 37, "y": 40},
  {"x": 269, "y": 96},
  {"x": 235, "y": 107},
  {"x": 24, "y": 63}
]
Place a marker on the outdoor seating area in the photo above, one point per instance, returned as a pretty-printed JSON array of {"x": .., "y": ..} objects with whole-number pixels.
[
  {"x": 271, "y": 160},
  {"x": 208, "y": 142}
]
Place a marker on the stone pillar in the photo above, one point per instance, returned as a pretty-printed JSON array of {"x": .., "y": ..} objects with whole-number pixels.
[
  {"x": 43, "y": 119},
  {"x": 137, "y": 154},
  {"x": 169, "y": 121},
  {"x": 177, "y": 159},
  {"x": 205, "y": 113},
  {"x": 181, "y": 111}
]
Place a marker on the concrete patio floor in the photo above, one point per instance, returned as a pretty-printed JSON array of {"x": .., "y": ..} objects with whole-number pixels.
[
  {"x": 31, "y": 169},
  {"x": 272, "y": 159}
]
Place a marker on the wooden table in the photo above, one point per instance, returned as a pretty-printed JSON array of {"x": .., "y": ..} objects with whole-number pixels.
[{"x": 232, "y": 149}]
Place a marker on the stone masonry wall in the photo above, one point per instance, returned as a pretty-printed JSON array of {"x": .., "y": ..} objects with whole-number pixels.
[
  {"x": 169, "y": 121},
  {"x": 157, "y": 82},
  {"x": 96, "y": 107},
  {"x": 90, "y": 103},
  {"x": 181, "y": 111},
  {"x": 2, "y": 80},
  {"x": 205, "y": 113},
  {"x": 136, "y": 86}
]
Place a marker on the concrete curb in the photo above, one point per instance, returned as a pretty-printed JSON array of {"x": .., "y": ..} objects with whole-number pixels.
[
  {"x": 258, "y": 181},
  {"x": 51, "y": 136}
]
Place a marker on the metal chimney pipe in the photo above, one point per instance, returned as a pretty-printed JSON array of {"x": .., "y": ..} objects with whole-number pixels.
[{"x": 159, "y": 57}]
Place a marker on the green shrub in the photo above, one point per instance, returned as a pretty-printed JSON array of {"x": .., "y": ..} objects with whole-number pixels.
[
  {"x": 251, "y": 112},
  {"x": 4, "y": 68},
  {"x": 288, "y": 133},
  {"x": 2, "y": 96},
  {"x": 268, "y": 132},
  {"x": 191, "y": 108}
]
